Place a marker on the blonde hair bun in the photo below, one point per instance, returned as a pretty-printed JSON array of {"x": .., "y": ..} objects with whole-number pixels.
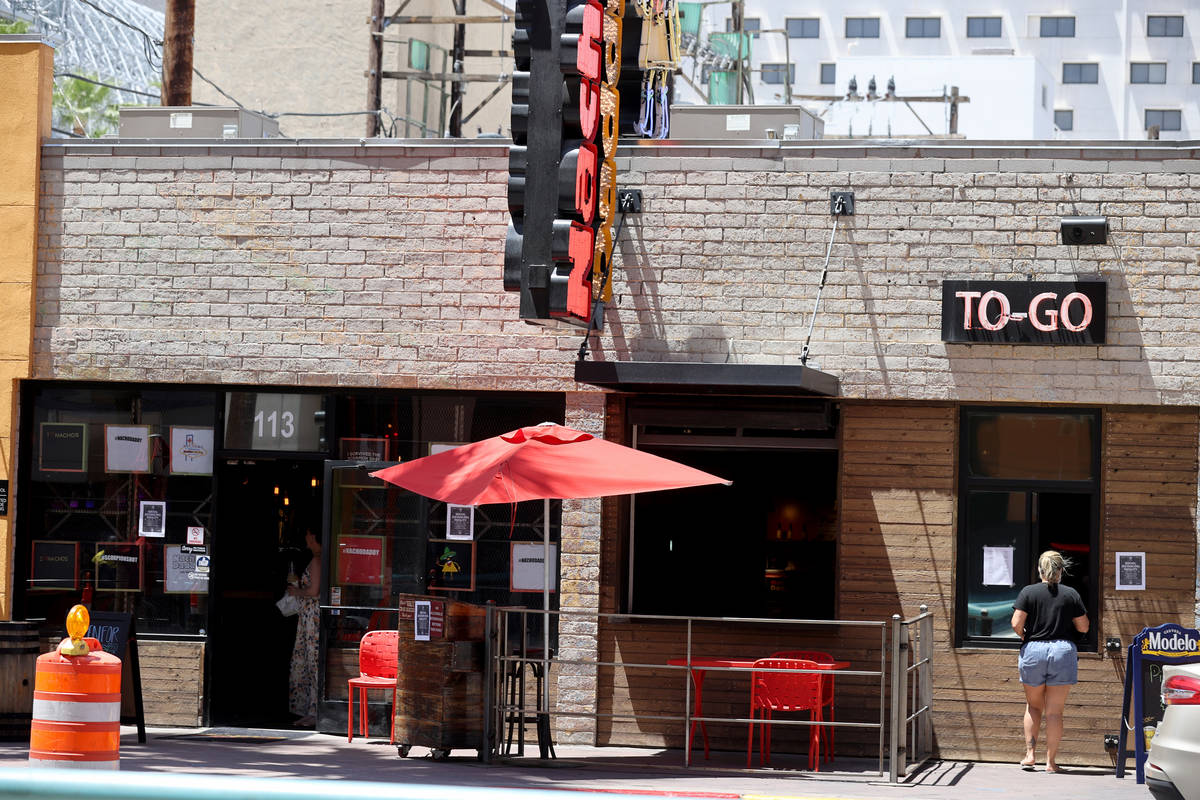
[{"x": 1052, "y": 565}]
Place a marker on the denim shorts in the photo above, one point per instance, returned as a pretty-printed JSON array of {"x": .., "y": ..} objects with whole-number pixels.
[{"x": 1053, "y": 663}]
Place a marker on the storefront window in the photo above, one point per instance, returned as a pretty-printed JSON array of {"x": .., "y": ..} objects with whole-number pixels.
[
  {"x": 1029, "y": 485},
  {"x": 115, "y": 509},
  {"x": 383, "y": 541},
  {"x": 763, "y": 547}
]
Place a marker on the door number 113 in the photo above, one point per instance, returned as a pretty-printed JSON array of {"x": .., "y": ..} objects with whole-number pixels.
[{"x": 282, "y": 425}]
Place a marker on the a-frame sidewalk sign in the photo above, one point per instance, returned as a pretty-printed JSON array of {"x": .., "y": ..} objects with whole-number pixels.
[{"x": 1148, "y": 652}]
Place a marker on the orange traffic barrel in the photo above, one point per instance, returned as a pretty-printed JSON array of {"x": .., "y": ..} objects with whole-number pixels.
[{"x": 77, "y": 710}]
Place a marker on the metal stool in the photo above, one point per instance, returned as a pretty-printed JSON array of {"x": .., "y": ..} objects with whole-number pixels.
[{"x": 514, "y": 694}]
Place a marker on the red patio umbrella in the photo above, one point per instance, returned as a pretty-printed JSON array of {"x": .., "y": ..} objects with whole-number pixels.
[{"x": 542, "y": 462}]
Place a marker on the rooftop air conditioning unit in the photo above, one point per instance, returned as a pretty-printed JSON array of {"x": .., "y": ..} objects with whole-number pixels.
[{"x": 195, "y": 122}]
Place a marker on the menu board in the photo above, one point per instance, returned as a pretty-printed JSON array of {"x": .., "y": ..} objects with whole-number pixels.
[
  {"x": 118, "y": 567},
  {"x": 55, "y": 566},
  {"x": 62, "y": 447}
]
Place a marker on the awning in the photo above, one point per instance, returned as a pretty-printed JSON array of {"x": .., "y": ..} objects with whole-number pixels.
[{"x": 701, "y": 377}]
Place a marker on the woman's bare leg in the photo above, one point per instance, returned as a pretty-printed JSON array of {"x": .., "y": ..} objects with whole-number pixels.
[
  {"x": 1056, "y": 700},
  {"x": 1035, "y": 702}
]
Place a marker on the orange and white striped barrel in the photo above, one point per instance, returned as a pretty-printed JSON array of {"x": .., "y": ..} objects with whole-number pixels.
[{"x": 77, "y": 711}]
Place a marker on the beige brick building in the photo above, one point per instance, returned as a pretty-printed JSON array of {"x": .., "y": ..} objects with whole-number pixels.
[{"x": 221, "y": 334}]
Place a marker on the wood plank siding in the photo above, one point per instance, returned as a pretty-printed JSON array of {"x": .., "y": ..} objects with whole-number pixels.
[{"x": 897, "y": 544}]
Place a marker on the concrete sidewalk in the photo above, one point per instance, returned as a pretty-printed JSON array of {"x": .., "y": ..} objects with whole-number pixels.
[{"x": 293, "y": 754}]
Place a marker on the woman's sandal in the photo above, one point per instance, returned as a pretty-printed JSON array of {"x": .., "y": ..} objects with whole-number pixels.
[{"x": 1027, "y": 764}]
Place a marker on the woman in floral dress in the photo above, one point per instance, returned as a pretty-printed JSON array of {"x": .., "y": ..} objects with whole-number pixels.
[{"x": 302, "y": 683}]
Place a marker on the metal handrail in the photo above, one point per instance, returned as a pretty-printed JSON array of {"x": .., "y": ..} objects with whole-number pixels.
[{"x": 894, "y": 720}]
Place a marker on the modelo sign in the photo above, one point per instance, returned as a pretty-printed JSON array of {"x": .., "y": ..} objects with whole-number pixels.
[
  {"x": 1170, "y": 641},
  {"x": 1024, "y": 312}
]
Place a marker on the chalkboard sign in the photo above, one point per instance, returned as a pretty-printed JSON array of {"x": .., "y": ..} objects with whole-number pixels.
[
  {"x": 117, "y": 635},
  {"x": 1142, "y": 706},
  {"x": 1152, "y": 704}
]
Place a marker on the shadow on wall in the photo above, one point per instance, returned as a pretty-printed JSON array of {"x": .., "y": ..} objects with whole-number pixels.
[{"x": 638, "y": 285}]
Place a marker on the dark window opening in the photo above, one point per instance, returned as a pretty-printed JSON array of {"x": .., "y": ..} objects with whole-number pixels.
[
  {"x": 1166, "y": 120},
  {"x": 923, "y": 27},
  {"x": 1029, "y": 484},
  {"x": 1148, "y": 73},
  {"x": 1058, "y": 27},
  {"x": 1081, "y": 73},
  {"x": 774, "y": 73},
  {"x": 862, "y": 27},
  {"x": 763, "y": 547},
  {"x": 803, "y": 28},
  {"x": 750, "y": 25},
  {"x": 983, "y": 27},
  {"x": 1164, "y": 26}
]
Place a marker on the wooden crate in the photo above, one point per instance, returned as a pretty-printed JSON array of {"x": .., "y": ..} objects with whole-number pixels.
[{"x": 439, "y": 683}]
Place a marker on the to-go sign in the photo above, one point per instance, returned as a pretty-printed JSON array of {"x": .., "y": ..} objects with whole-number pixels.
[{"x": 1024, "y": 312}]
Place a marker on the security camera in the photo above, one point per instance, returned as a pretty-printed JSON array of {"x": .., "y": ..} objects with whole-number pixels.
[{"x": 1084, "y": 230}]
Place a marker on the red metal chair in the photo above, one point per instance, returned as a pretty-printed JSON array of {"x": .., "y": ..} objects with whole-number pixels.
[
  {"x": 784, "y": 691},
  {"x": 377, "y": 660},
  {"x": 826, "y": 690}
]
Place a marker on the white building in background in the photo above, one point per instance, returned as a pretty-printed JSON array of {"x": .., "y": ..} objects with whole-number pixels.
[{"x": 1079, "y": 69}]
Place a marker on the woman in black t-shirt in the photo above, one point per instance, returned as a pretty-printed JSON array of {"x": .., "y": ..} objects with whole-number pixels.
[{"x": 1048, "y": 617}]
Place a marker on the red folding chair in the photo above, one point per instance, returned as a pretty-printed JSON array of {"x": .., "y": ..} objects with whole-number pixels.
[
  {"x": 784, "y": 691},
  {"x": 377, "y": 660},
  {"x": 826, "y": 690}
]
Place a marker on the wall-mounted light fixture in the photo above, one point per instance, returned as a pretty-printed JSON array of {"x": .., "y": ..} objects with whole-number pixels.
[{"x": 1084, "y": 230}]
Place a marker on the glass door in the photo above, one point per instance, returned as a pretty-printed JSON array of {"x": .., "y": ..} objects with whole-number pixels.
[{"x": 375, "y": 548}]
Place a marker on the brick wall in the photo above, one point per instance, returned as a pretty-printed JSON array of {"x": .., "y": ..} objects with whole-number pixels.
[
  {"x": 335, "y": 265},
  {"x": 380, "y": 266},
  {"x": 724, "y": 263}
]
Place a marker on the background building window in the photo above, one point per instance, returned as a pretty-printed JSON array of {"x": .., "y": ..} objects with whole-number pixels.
[
  {"x": 862, "y": 27},
  {"x": 773, "y": 73},
  {"x": 1164, "y": 26},
  {"x": 1058, "y": 27},
  {"x": 829, "y": 73},
  {"x": 1064, "y": 119},
  {"x": 1196, "y": 72},
  {"x": 1166, "y": 120},
  {"x": 1081, "y": 73},
  {"x": 750, "y": 25},
  {"x": 803, "y": 28},
  {"x": 923, "y": 27},
  {"x": 1029, "y": 484},
  {"x": 983, "y": 27},
  {"x": 1148, "y": 73}
]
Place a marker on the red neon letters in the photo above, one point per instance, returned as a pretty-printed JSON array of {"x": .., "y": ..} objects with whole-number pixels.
[{"x": 1041, "y": 316}]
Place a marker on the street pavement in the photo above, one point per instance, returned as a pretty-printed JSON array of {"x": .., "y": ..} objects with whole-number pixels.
[{"x": 256, "y": 753}]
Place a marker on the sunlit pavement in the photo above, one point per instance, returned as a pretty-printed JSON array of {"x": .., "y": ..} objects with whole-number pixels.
[{"x": 305, "y": 755}]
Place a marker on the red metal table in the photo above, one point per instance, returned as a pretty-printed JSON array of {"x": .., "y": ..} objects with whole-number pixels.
[{"x": 697, "y": 666}]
